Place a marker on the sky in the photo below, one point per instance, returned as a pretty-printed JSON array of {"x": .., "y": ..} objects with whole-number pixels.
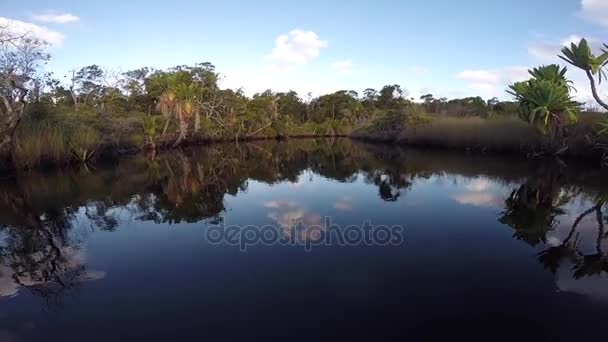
[{"x": 447, "y": 48}]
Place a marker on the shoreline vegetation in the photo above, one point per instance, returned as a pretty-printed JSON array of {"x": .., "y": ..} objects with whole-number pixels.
[{"x": 94, "y": 114}]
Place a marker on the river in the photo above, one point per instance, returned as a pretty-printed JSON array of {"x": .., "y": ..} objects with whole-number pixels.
[{"x": 304, "y": 239}]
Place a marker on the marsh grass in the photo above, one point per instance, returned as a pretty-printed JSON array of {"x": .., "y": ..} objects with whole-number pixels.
[
  {"x": 496, "y": 134},
  {"x": 492, "y": 134},
  {"x": 39, "y": 144},
  {"x": 46, "y": 143}
]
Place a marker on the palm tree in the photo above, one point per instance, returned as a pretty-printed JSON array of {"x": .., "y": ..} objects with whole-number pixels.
[
  {"x": 545, "y": 100},
  {"x": 187, "y": 108},
  {"x": 149, "y": 125},
  {"x": 580, "y": 56},
  {"x": 179, "y": 100},
  {"x": 166, "y": 104}
]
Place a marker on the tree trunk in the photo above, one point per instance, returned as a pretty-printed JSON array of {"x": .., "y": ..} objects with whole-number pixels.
[
  {"x": 9, "y": 120},
  {"x": 197, "y": 122},
  {"x": 594, "y": 91},
  {"x": 74, "y": 98},
  {"x": 149, "y": 144},
  {"x": 183, "y": 131}
]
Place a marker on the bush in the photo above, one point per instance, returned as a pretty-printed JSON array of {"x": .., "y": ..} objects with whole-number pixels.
[{"x": 387, "y": 126}]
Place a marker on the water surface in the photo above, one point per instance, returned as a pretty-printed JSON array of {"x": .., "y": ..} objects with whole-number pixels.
[{"x": 491, "y": 247}]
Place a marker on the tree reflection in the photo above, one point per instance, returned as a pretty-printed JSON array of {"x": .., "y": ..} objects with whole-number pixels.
[
  {"x": 38, "y": 250},
  {"x": 532, "y": 209},
  {"x": 535, "y": 208},
  {"x": 39, "y": 212}
]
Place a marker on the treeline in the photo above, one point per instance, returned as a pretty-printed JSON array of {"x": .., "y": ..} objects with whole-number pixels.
[
  {"x": 95, "y": 110},
  {"x": 142, "y": 90}
]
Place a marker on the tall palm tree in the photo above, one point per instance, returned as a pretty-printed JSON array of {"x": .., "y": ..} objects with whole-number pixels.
[
  {"x": 179, "y": 101},
  {"x": 187, "y": 108},
  {"x": 166, "y": 104},
  {"x": 581, "y": 56}
]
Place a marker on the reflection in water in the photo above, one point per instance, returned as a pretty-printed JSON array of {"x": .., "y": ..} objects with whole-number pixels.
[
  {"x": 481, "y": 192},
  {"x": 38, "y": 212},
  {"x": 559, "y": 213},
  {"x": 532, "y": 209}
]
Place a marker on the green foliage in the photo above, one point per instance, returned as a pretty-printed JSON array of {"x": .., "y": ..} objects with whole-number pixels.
[
  {"x": 545, "y": 99},
  {"x": 581, "y": 56},
  {"x": 552, "y": 73},
  {"x": 54, "y": 142},
  {"x": 150, "y": 125},
  {"x": 83, "y": 144},
  {"x": 40, "y": 143}
]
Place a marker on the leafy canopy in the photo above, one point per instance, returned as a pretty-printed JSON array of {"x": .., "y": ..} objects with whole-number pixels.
[
  {"x": 581, "y": 56},
  {"x": 545, "y": 100}
]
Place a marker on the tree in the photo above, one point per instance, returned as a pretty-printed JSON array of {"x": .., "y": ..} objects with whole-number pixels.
[
  {"x": 86, "y": 85},
  {"x": 428, "y": 100},
  {"x": 580, "y": 56},
  {"x": 290, "y": 105},
  {"x": 545, "y": 101},
  {"x": 20, "y": 59},
  {"x": 492, "y": 103},
  {"x": 390, "y": 96}
]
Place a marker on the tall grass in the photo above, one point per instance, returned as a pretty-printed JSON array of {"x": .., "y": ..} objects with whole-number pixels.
[
  {"x": 39, "y": 143},
  {"x": 45, "y": 143},
  {"x": 496, "y": 133},
  {"x": 501, "y": 133}
]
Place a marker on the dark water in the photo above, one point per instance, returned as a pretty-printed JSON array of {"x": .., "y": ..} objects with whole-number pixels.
[{"x": 493, "y": 248}]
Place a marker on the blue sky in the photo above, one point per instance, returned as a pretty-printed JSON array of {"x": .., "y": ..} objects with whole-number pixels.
[{"x": 448, "y": 48}]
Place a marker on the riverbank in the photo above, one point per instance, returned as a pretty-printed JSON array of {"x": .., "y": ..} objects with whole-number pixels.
[
  {"x": 52, "y": 144},
  {"x": 499, "y": 135}
]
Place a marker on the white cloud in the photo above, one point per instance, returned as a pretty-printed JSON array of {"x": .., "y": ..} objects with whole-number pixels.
[
  {"x": 595, "y": 11},
  {"x": 548, "y": 52},
  {"x": 298, "y": 47},
  {"x": 18, "y": 28},
  {"x": 345, "y": 67},
  {"x": 55, "y": 18},
  {"x": 573, "y": 38},
  {"x": 489, "y": 83},
  {"x": 544, "y": 51}
]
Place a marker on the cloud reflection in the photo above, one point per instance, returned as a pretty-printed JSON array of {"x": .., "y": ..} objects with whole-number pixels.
[
  {"x": 295, "y": 222},
  {"x": 344, "y": 204},
  {"x": 481, "y": 192}
]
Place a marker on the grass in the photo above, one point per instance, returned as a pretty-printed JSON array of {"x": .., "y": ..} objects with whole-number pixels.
[
  {"x": 39, "y": 144},
  {"x": 493, "y": 134},
  {"x": 63, "y": 137},
  {"x": 504, "y": 134},
  {"x": 46, "y": 144}
]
